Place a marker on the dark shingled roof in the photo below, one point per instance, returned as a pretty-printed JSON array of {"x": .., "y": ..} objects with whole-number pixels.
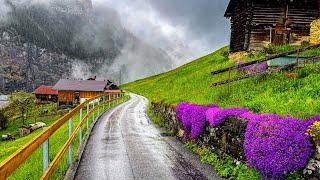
[{"x": 80, "y": 85}]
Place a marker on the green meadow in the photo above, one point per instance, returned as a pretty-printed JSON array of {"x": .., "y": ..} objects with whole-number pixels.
[{"x": 269, "y": 93}]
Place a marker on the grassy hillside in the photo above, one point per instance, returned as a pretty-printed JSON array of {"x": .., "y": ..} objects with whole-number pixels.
[{"x": 273, "y": 93}]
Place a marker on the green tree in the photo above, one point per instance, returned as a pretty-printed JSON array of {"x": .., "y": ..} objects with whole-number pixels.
[
  {"x": 22, "y": 104},
  {"x": 3, "y": 120}
]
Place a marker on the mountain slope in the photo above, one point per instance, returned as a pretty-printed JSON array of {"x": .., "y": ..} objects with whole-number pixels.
[
  {"x": 275, "y": 93},
  {"x": 83, "y": 40}
]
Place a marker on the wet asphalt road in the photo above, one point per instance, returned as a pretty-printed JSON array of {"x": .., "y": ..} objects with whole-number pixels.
[{"x": 125, "y": 145}]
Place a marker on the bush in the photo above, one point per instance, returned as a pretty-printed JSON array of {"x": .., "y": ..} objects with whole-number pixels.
[
  {"x": 216, "y": 116},
  {"x": 276, "y": 145},
  {"x": 193, "y": 119}
]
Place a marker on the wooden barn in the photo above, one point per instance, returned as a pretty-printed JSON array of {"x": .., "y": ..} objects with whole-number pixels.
[
  {"x": 71, "y": 92},
  {"x": 255, "y": 23},
  {"x": 45, "y": 94}
]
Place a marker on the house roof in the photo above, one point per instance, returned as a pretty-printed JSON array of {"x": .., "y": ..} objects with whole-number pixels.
[
  {"x": 230, "y": 9},
  {"x": 46, "y": 90},
  {"x": 80, "y": 85}
]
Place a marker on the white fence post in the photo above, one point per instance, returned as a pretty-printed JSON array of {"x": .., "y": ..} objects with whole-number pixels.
[{"x": 45, "y": 155}]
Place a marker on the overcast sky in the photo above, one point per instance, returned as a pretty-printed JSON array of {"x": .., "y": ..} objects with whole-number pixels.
[{"x": 185, "y": 28}]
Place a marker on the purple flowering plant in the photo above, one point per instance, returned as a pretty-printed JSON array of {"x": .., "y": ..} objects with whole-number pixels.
[
  {"x": 273, "y": 144},
  {"x": 193, "y": 119},
  {"x": 251, "y": 68},
  {"x": 276, "y": 145},
  {"x": 216, "y": 116}
]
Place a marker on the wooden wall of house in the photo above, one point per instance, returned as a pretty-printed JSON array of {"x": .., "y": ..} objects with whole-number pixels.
[
  {"x": 89, "y": 94},
  {"x": 66, "y": 96},
  {"x": 253, "y": 19},
  {"x": 239, "y": 27},
  {"x": 264, "y": 16}
]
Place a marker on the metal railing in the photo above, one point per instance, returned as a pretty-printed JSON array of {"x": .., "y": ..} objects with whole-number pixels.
[{"x": 93, "y": 108}]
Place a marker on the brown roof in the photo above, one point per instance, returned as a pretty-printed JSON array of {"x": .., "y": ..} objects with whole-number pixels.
[
  {"x": 230, "y": 9},
  {"x": 46, "y": 90},
  {"x": 80, "y": 85}
]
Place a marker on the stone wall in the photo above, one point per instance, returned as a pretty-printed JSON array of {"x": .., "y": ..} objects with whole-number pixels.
[
  {"x": 225, "y": 139},
  {"x": 168, "y": 113}
]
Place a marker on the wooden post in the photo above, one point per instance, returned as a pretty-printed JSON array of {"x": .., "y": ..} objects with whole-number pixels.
[
  {"x": 229, "y": 83},
  {"x": 80, "y": 131},
  {"x": 70, "y": 146},
  {"x": 93, "y": 112},
  {"x": 104, "y": 103},
  {"x": 87, "y": 114},
  {"x": 109, "y": 100},
  {"x": 98, "y": 107}
]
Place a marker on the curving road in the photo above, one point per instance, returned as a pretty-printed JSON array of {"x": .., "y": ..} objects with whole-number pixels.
[{"x": 125, "y": 145}]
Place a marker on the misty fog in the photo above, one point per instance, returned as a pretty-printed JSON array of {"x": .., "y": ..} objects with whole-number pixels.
[{"x": 129, "y": 40}]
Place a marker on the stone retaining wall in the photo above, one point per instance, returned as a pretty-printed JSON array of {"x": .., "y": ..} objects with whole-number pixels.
[{"x": 227, "y": 138}]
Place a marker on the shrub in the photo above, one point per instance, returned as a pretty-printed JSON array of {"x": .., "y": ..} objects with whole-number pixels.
[
  {"x": 276, "y": 145},
  {"x": 216, "y": 116},
  {"x": 314, "y": 130},
  {"x": 252, "y": 68},
  {"x": 193, "y": 119}
]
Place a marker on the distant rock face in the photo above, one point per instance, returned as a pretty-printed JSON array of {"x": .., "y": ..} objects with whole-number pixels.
[{"x": 26, "y": 66}]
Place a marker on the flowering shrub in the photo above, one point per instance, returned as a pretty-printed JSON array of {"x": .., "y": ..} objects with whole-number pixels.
[
  {"x": 216, "y": 116},
  {"x": 193, "y": 119},
  {"x": 275, "y": 145},
  {"x": 314, "y": 130},
  {"x": 252, "y": 68}
]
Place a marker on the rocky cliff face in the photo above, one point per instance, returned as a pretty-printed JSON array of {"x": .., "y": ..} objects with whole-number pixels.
[{"x": 26, "y": 66}]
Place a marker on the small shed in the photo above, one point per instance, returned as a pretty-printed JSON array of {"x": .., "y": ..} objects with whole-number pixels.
[
  {"x": 46, "y": 94},
  {"x": 255, "y": 23},
  {"x": 71, "y": 92}
]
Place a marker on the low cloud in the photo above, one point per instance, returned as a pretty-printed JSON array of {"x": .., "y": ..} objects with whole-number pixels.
[{"x": 4, "y": 12}]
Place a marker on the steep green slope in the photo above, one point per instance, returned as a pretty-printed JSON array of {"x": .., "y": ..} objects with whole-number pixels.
[{"x": 273, "y": 93}]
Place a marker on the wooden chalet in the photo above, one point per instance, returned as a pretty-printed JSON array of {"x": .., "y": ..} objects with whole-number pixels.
[
  {"x": 255, "y": 23},
  {"x": 71, "y": 92},
  {"x": 45, "y": 94}
]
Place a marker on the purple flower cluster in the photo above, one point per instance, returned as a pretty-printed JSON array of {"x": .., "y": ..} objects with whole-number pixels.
[
  {"x": 252, "y": 68},
  {"x": 216, "y": 116},
  {"x": 193, "y": 118},
  {"x": 273, "y": 144}
]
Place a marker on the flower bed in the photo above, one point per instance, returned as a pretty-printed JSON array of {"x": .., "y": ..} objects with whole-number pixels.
[{"x": 273, "y": 144}]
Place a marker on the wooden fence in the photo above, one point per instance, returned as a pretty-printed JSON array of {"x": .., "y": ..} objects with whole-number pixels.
[
  {"x": 268, "y": 58},
  {"x": 94, "y": 108}
]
